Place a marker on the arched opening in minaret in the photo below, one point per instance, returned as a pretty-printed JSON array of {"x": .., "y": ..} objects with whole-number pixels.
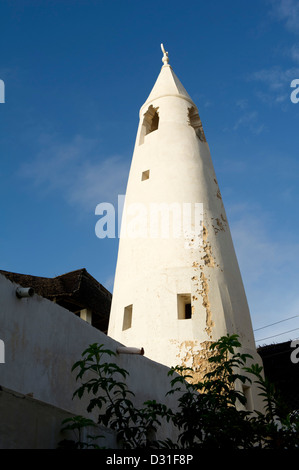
[
  {"x": 150, "y": 123},
  {"x": 195, "y": 122}
]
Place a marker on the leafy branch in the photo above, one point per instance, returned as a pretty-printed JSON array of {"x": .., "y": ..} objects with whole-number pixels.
[{"x": 210, "y": 413}]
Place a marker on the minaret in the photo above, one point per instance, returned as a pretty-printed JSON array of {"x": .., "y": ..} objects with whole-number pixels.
[{"x": 172, "y": 295}]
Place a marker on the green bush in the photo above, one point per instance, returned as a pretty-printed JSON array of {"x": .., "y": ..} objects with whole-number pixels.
[{"x": 210, "y": 413}]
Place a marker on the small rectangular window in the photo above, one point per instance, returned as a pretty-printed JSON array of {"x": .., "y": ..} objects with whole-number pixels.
[
  {"x": 184, "y": 306},
  {"x": 248, "y": 395},
  {"x": 86, "y": 314},
  {"x": 187, "y": 311},
  {"x": 145, "y": 175},
  {"x": 127, "y": 321}
]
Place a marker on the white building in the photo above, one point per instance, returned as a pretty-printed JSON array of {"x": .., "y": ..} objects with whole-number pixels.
[
  {"x": 175, "y": 292},
  {"x": 176, "y": 289},
  {"x": 40, "y": 342}
]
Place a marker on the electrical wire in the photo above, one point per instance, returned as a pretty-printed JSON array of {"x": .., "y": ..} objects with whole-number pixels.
[
  {"x": 279, "y": 334},
  {"x": 286, "y": 319}
]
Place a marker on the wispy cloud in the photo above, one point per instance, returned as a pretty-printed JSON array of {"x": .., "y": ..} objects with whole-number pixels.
[
  {"x": 294, "y": 53},
  {"x": 250, "y": 121},
  {"x": 256, "y": 250},
  {"x": 286, "y": 11},
  {"x": 242, "y": 103},
  {"x": 78, "y": 170},
  {"x": 109, "y": 283},
  {"x": 268, "y": 263},
  {"x": 276, "y": 78},
  {"x": 276, "y": 84}
]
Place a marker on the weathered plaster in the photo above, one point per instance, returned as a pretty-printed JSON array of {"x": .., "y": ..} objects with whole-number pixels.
[
  {"x": 194, "y": 355},
  {"x": 42, "y": 342},
  {"x": 151, "y": 274}
]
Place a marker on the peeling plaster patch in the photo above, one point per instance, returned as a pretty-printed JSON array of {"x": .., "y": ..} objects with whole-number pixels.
[
  {"x": 223, "y": 218},
  {"x": 196, "y": 356},
  {"x": 207, "y": 258},
  {"x": 206, "y": 304},
  {"x": 201, "y": 285},
  {"x": 218, "y": 194},
  {"x": 195, "y": 280},
  {"x": 221, "y": 224}
]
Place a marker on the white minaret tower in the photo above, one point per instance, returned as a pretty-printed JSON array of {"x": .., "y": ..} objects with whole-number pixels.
[{"x": 173, "y": 296}]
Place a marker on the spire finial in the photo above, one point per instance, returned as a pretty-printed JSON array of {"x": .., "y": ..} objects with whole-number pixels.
[{"x": 165, "y": 58}]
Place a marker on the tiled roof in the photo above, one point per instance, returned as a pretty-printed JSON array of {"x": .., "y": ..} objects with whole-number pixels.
[
  {"x": 75, "y": 290},
  {"x": 282, "y": 372}
]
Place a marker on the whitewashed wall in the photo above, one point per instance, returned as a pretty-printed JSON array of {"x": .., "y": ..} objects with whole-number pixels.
[{"x": 43, "y": 340}]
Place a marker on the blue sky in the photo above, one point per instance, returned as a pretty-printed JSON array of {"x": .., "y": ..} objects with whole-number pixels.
[{"x": 76, "y": 74}]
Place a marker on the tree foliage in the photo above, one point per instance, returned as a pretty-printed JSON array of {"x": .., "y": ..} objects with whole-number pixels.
[{"x": 211, "y": 413}]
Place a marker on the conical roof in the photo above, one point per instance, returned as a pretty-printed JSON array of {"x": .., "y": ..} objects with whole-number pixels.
[{"x": 167, "y": 84}]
